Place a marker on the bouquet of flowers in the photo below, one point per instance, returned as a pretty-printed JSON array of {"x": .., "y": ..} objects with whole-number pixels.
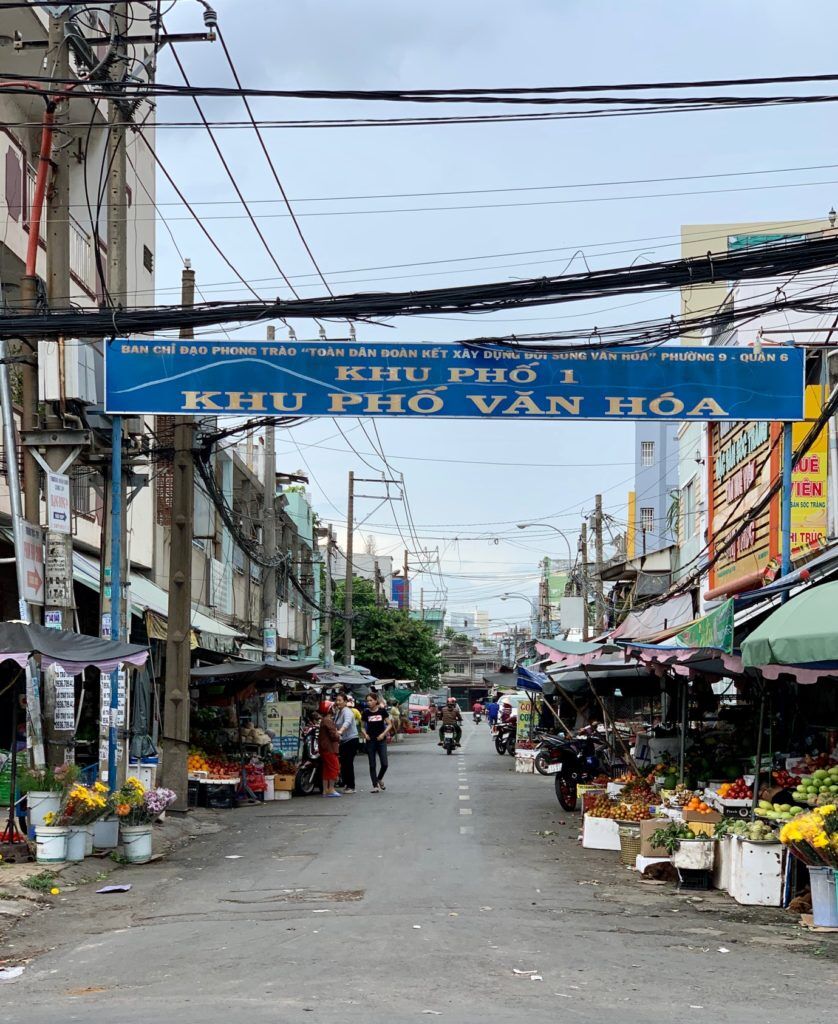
[
  {"x": 813, "y": 837},
  {"x": 80, "y": 806},
  {"x": 49, "y": 780},
  {"x": 133, "y": 804}
]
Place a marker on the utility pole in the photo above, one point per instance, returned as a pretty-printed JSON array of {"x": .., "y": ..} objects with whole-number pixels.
[
  {"x": 350, "y": 542},
  {"x": 544, "y": 597},
  {"x": 406, "y": 591},
  {"x": 598, "y": 584},
  {"x": 175, "y": 746},
  {"x": 117, "y": 287},
  {"x": 326, "y": 629},
  {"x": 583, "y": 545},
  {"x": 269, "y": 539}
]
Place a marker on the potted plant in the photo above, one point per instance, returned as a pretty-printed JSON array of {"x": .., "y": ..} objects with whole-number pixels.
[
  {"x": 137, "y": 809},
  {"x": 44, "y": 788},
  {"x": 81, "y": 806}
]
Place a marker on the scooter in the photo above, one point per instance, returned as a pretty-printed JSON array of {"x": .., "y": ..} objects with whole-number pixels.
[
  {"x": 574, "y": 763},
  {"x": 309, "y": 778},
  {"x": 448, "y": 738},
  {"x": 505, "y": 737},
  {"x": 478, "y": 717}
]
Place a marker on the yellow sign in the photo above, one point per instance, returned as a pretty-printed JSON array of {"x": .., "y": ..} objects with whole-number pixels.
[{"x": 809, "y": 482}]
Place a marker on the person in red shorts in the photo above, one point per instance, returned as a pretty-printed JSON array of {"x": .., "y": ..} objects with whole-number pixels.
[{"x": 329, "y": 740}]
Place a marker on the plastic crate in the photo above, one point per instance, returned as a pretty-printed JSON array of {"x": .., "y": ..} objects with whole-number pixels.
[
  {"x": 696, "y": 881},
  {"x": 6, "y": 775}
]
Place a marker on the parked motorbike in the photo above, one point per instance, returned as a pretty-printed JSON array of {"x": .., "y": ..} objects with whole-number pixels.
[
  {"x": 448, "y": 738},
  {"x": 309, "y": 777},
  {"x": 574, "y": 763},
  {"x": 505, "y": 737}
]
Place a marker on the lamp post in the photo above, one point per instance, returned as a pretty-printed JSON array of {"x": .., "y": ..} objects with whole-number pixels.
[
  {"x": 570, "y": 561},
  {"x": 534, "y": 618}
]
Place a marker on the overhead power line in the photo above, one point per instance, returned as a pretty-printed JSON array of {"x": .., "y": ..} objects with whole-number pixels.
[{"x": 759, "y": 262}]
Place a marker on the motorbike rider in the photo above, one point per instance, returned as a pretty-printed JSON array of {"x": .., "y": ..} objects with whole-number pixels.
[
  {"x": 492, "y": 712},
  {"x": 451, "y": 715},
  {"x": 477, "y": 710}
]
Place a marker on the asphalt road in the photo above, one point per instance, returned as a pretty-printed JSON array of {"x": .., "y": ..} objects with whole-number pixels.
[{"x": 422, "y": 901}]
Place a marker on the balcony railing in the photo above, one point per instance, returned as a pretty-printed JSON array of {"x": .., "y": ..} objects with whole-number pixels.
[{"x": 81, "y": 256}]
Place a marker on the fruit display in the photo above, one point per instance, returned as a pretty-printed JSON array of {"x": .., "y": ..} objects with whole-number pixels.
[
  {"x": 619, "y": 810},
  {"x": 786, "y": 779},
  {"x": 697, "y": 805},
  {"x": 817, "y": 789},
  {"x": 669, "y": 838},
  {"x": 738, "y": 790},
  {"x": 215, "y": 767},
  {"x": 639, "y": 791},
  {"x": 811, "y": 764},
  {"x": 781, "y": 813}
]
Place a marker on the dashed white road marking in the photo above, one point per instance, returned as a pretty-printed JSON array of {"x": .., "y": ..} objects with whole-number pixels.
[
  {"x": 465, "y": 810},
  {"x": 466, "y": 830},
  {"x": 465, "y": 796},
  {"x": 463, "y": 787}
]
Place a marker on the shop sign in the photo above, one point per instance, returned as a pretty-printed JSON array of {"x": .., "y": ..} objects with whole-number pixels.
[
  {"x": 282, "y": 721},
  {"x": 33, "y": 564},
  {"x": 58, "y": 503},
  {"x": 264, "y": 378},
  {"x": 525, "y": 712},
  {"x": 809, "y": 481},
  {"x": 741, "y": 466}
]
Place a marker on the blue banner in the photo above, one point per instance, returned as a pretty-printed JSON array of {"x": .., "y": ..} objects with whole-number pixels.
[{"x": 259, "y": 378}]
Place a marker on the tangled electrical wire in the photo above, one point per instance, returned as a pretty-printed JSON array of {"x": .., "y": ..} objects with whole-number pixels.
[{"x": 766, "y": 261}]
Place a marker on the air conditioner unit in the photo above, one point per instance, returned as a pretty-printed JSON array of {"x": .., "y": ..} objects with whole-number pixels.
[{"x": 67, "y": 371}]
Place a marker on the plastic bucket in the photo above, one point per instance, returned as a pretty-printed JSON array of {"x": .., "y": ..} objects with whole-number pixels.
[
  {"x": 39, "y": 803},
  {"x": 88, "y": 840},
  {"x": 106, "y": 833},
  {"x": 824, "y": 897},
  {"x": 51, "y": 844},
  {"x": 136, "y": 841},
  {"x": 269, "y": 791},
  {"x": 76, "y": 841}
]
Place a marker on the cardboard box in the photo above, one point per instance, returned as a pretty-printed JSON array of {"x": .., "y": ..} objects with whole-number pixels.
[
  {"x": 646, "y": 829},
  {"x": 713, "y": 818},
  {"x": 284, "y": 782}
]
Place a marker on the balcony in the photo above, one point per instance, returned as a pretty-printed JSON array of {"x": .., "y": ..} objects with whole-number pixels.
[{"x": 81, "y": 257}]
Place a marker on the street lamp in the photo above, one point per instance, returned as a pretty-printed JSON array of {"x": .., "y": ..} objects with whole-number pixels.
[{"x": 555, "y": 529}]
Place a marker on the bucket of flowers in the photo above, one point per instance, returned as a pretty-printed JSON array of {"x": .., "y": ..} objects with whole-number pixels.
[
  {"x": 813, "y": 838},
  {"x": 44, "y": 788},
  {"x": 80, "y": 807},
  {"x": 137, "y": 808}
]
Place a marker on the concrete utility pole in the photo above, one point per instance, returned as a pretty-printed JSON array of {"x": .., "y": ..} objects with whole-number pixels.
[
  {"x": 269, "y": 539},
  {"x": 326, "y": 629},
  {"x": 175, "y": 746},
  {"x": 544, "y": 598},
  {"x": 598, "y": 585},
  {"x": 583, "y": 546},
  {"x": 350, "y": 542},
  {"x": 406, "y": 591}
]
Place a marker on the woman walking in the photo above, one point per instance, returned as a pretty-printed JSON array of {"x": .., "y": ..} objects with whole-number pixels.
[
  {"x": 377, "y": 726},
  {"x": 345, "y": 723}
]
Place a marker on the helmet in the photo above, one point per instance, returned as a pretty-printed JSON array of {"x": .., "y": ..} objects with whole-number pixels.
[
  {"x": 325, "y": 707},
  {"x": 452, "y": 700}
]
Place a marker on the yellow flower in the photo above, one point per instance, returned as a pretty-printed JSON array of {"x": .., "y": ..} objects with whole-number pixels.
[
  {"x": 100, "y": 787},
  {"x": 54, "y": 891}
]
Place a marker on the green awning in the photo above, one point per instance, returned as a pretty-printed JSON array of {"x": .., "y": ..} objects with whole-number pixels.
[{"x": 804, "y": 631}]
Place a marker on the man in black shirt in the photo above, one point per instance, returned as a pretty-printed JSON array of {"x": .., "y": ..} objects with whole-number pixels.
[{"x": 376, "y": 729}]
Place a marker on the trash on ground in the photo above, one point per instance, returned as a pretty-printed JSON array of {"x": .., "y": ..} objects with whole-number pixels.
[
  {"x": 525, "y": 973},
  {"x": 11, "y": 973},
  {"x": 723, "y": 949},
  {"x": 113, "y": 888}
]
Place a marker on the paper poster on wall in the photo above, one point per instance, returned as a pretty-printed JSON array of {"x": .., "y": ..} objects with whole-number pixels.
[{"x": 64, "y": 718}]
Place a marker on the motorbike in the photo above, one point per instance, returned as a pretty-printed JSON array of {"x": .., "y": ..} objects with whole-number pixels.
[
  {"x": 309, "y": 774},
  {"x": 478, "y": 717},
  {"x": 505, "y": 737},
  {"x": 573, "y": 763},
  {"x": 448, "y": 738}
]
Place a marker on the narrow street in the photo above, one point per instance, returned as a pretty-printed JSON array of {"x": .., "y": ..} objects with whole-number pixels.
[{"x": 423, "y": 900}]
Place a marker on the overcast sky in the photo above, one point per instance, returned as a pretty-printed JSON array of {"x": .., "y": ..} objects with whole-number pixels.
[{"x": 470, "y": 482}]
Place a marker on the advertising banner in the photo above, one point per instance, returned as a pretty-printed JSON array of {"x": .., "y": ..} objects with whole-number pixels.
[
  {"x": 282, "y": 720},
  {"x": 677, "y": 382},
  {"x": 809, "y": 482}
]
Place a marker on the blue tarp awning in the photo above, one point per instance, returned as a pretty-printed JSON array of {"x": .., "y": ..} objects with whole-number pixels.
[{"x": 529, "y": 680}]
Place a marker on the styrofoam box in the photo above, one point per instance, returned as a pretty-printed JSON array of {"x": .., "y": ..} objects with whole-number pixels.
[
  {"x": 724, "y": 859},
  {"x": 695, "y": 854},
  {"x": 524, "y": 765},
  {"x": 757, "y": 873},
  {"x": 600, "y": 833},
  {"x": 615, "y": 788}
]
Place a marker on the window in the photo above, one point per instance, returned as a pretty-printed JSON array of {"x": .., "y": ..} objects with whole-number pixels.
[
  {"x": 14, "y": 183},
  {"x": 81, "y": 479},
  {"x": 689, "y": 515},
  {"x": 647, "y": 519},
  {"x": 148, "y": 259},
  {"x": 647, "y": 453}
]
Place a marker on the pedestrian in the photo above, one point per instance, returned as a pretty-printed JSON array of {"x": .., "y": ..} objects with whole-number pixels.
[
  {"x": 329, "y": 743},
  {"x": 377, "y": 728},
  {"x": 348, "y": 733}
]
